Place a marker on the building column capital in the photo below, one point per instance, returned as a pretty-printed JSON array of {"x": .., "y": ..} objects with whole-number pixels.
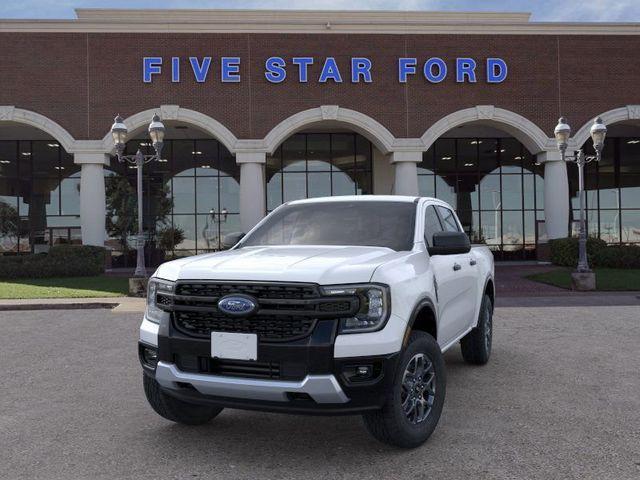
[
  {"x": 549, "y": 156},
  {"x": 414, "y": 156},
  {"x": 85, "y": 156},
  {"x": 251, "y": 157}
]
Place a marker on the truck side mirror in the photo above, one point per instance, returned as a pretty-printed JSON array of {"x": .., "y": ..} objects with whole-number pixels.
[
  {"x": 449, "y": 243},
  {"x": 231, "y": 239}
]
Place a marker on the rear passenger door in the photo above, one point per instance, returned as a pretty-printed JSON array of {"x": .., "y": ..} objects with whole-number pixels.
[{"x": 454, "y": 277}]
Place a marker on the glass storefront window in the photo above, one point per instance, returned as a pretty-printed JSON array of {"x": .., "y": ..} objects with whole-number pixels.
[
  {"x": 495, "y": 187},
  {"x": 612, "y": 188},
  {"x": 309, "y": 165},
  {"x": 195, "y": 188},
  {"x": 39, "y": 196}
]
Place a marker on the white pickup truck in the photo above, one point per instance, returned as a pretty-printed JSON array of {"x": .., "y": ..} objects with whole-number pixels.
[{"x": 338, "y": 305}]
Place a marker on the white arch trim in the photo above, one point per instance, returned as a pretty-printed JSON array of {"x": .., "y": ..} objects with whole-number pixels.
[
  {"x": 382, "y": 138},
  {"x": 629, "y": 112},
  {"x": 527, "y": 132},
  {"x": 10, "y": 113},
  {"x": 177, "y": 113}
]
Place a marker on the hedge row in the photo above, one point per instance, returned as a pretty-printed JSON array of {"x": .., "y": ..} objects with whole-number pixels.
[
  {"x": 564, "y": 252},
  {"x": 61, "y": 261}
]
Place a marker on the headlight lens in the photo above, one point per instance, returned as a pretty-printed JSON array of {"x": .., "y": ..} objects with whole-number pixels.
[
  {"x": 374, "y": 306},
  {"x": 156, "y": 286}
]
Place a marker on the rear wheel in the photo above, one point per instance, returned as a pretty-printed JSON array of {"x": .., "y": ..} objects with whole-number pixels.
[
  {"x": 414, "y": 405},
  {"x": 476, "y": 345},
  {"x": 176, "y": 410}
]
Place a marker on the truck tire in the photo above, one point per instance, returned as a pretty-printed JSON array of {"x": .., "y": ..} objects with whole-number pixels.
[
  {"x": 415, "y": 402},
  {"x": 176, "y": 410},
  {"x": 476, "y": 345}
]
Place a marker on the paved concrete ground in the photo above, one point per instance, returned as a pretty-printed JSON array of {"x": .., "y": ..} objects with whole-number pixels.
[{"x": 560, "y": 399}]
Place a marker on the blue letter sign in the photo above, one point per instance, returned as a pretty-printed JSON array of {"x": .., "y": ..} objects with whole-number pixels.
[
  {"x": 151, "y": 66},
  {"x": 496, "y": 70}
]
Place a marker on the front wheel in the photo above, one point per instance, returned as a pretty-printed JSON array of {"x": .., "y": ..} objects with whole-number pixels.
[
  {"x": 415, "y": 402},
  {"x": 174, "y": 409}
]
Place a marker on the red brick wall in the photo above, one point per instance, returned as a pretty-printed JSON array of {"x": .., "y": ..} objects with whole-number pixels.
[{"x": 82, "y": 80}]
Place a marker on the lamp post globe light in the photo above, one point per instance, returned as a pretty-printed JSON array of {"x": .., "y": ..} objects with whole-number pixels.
[
  {"x": 583, "y": 278},
  {"x": 156, "y": 133}
]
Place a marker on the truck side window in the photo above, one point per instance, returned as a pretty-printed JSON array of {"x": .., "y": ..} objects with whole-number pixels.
[
  {"x": 431, "y": 224},
  {"x": 448, "y": 219}
]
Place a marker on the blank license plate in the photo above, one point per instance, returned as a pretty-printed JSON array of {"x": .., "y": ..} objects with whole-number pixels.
[{"x": 234, "y": 346}]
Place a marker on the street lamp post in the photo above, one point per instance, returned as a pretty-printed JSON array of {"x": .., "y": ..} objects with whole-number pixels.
[
  {"x": 119, "y": 133},
  {"x": 562, "y": 133}
]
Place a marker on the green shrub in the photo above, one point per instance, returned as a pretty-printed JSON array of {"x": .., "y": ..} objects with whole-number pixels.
[
  {"x": 61, "y": 261},
  {"x": 618, "y": 256},
  {"x": 564, "y": 251}
]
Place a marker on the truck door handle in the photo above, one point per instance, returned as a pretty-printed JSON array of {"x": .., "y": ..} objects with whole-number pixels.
[
  {"x": 456, "y": 267},
  {"x": 472, "y": 262}
]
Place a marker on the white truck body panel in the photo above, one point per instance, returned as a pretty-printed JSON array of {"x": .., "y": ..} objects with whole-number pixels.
[{"x": 413, "y": 276}]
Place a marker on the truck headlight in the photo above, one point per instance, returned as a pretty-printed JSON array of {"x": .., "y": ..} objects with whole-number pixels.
[
  {"x": 155, "y": 290},
  {"x": 374, "y": 306}
]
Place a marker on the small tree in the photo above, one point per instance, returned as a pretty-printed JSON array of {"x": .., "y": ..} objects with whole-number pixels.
[
  {"x": 9, "y": 221},
  {"x": 122, "y": 209},
  {"x": 169, "y": 237}
]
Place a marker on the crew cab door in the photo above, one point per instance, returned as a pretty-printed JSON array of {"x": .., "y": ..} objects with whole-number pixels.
[{"x": 454, "y": 277}]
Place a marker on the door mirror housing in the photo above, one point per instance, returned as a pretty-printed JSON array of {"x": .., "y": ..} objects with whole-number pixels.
[
  {"x": 231, "y": 239},
  {"x": 449, "y": 243}
]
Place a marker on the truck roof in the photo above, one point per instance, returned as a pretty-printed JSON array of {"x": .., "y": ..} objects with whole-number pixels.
[{"x": 360, "y": 198}]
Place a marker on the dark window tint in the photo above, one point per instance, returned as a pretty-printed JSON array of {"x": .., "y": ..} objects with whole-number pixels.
[
  {"x": 431, "y": 224},
  {"x": 448, "y": 219},
  {"x": 377, "y": 224}
]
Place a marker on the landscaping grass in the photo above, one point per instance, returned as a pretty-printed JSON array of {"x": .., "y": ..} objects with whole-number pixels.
[
  {"x": 607, "y": 279},
  {"x": 72, "y": 287}
]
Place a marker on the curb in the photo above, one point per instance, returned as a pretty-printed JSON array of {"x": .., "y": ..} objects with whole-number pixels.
[{"x": 58, "y": 306}]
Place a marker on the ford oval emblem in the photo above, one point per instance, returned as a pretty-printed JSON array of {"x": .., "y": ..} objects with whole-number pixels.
[{"x": 237, "y": 305}]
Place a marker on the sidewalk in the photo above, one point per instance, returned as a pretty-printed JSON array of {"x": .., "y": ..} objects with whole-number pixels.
[{"x": 117, "y": 304}]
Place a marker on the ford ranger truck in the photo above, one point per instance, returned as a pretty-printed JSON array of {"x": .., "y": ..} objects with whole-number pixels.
[{"x": 340, "y": 305}]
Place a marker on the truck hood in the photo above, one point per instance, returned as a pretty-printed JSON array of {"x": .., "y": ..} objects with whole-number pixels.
[{"x": 324, "y": 265}]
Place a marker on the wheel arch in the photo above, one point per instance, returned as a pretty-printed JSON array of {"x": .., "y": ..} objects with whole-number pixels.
[
  {"x": 490, "y": 289},
  {"x": 423, "y": 318}
]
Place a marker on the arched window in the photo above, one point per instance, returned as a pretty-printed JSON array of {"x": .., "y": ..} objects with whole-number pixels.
[
  {"x": 311, "y": 165},
  {"x": 194, "y": 190},
  {"x": 495, "y": 187},
  {"x": 39, "y": 196}
]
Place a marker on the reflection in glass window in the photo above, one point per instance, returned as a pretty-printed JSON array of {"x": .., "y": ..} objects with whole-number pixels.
[
  {"x": 309, "y": 165},
  {"x": 612, "y": 188},
  {"x": 194, "y": 190},
  {"x": 495, "y": 186},
  {"x": 39, "y": 196}
]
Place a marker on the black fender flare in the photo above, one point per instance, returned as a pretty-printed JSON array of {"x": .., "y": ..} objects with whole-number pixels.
[{"x": 423, "y": 302}]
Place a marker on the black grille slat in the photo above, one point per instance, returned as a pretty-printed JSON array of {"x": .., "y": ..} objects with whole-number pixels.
[
  {"x": 267, "y": 327},
  {"x": 229, "y": 368},
  {"x": 285, "y": 311}
]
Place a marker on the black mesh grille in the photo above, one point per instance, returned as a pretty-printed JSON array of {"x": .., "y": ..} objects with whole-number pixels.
[
  {"x": 268, "y": 327},
  {"x": 228, "y": 368},
  {"x": 259, "y": 291},
  {"x": 286, "y": 311}
]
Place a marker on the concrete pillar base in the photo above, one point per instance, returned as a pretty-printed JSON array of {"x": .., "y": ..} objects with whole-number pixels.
[
  {"x": 583, "y": 281},
  {"x": 556, "y": 195},
  {"x": 406, "y": 172},
  {"x": 252, "y": 188},
  {"x": 92, "y": 197}
]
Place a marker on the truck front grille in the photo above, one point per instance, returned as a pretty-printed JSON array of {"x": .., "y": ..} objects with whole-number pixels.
[
  {"x": 286, "y": 311},
  {"x": 228, "y": 368},
  {"x": 269, "y": 328}
]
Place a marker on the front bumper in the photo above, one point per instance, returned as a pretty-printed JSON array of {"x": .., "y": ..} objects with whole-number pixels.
[{"x": 303, "y": 376}]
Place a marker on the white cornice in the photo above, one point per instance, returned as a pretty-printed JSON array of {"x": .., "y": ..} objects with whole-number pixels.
[{"x": 297, "y": 21}]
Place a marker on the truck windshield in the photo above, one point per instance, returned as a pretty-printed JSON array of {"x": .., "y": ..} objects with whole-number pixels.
[{"x": 361, "y": 223}]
